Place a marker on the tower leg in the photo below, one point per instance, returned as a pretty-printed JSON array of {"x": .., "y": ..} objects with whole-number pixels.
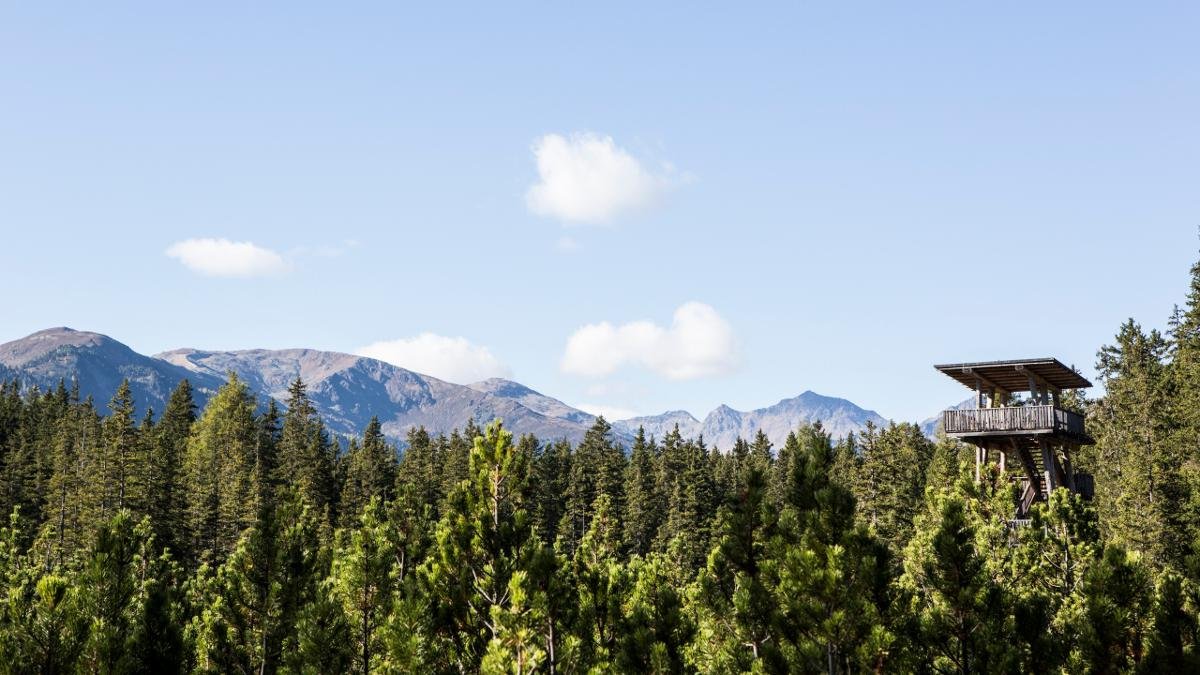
[{"x": 1048, "y": 462}]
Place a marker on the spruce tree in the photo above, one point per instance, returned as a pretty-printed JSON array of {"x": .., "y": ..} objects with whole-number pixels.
[
  {"x": 165, "y": 488},
  {"x": 219, "y": 468},
  {"x": 306, "y": 458},
  {"x": 644, "y": 504},
  {"x": 115, "y": 485},
  {"x": 1140, "y": 489},
  {"x": 370, "y": 472},
  {"x": 597, "y": 468}
]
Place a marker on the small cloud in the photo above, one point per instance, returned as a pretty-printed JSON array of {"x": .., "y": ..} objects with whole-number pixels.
[
  {"x": 698, "y": 343},
  {"x": 568, "y": 244},
  {"x": 453, "y": 359},
  {"x": 225, "y": 258},
  {"x": 587, "y": 178},
  {"x": 608, "y": 412}
]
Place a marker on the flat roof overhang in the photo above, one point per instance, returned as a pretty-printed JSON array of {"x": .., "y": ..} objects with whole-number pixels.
[{"x": 1014, "y": 375}]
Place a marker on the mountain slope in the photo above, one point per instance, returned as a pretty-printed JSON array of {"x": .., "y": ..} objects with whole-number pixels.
[
  {"x": 348, "y": 390},
  {"x": 550, "y": 407},
  {"x": 660, "y": 425},
  {"x": 98, "y": 363}
]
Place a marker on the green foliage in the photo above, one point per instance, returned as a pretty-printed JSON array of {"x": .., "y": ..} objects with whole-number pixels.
[
  {"x": 219, "y": 467},
  {"x": 244, "y": 541}
]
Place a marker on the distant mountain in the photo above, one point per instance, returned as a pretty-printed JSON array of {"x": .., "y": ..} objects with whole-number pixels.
[
  {"x": 723, "y": 426},
  {"x": 550, "y": 407},
  {"x": 660, "y": 425},
  {"x": 348, "y": 390},
  {"x": 98, "y": 363}
]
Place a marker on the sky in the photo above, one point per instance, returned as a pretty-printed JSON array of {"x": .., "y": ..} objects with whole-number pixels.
[{"x": 631, "y": 207}]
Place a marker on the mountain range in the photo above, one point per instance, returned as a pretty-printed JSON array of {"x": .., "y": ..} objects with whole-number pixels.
[{"x": 347, "y": 390}]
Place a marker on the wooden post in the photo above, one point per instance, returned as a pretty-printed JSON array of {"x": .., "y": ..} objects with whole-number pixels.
[
  {"x": 1003, "y": 461},
  {"x": 1048, "y": 464}
]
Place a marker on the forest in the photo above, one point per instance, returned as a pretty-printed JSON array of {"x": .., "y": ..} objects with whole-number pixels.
[{"x": 245, "y": 538}]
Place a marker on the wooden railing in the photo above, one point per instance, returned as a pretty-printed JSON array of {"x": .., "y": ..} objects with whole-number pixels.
[{"x": 1033, "y": 418}]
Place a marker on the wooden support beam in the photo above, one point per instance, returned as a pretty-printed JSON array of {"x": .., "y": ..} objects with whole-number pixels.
[
  {"x": 1046, "y": 387},
  {"x": 988, "y": 382},
  {"x": 1049, "y": 463},
  {"x": 1069, "y": 470}
]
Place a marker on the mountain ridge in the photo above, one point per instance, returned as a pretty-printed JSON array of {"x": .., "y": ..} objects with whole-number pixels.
[{"x": 348, "y": 389}]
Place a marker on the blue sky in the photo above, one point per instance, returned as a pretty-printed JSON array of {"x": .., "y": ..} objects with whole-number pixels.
[{"x": 821, "y": 197}]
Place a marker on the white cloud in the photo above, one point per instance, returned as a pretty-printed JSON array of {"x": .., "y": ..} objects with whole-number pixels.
[
  {"x": 698, "y": 343},
  {"x": 225, "y": 258},
  {"x": 586, "y": 178},
  {"x": 609, "y": 412},
  {"x": 454, "y": 359}
]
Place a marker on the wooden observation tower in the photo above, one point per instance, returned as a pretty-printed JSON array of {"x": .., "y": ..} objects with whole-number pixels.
[{"x": 1033, "y": 430}]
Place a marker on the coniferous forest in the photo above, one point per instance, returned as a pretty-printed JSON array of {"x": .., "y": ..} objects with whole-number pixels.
[{"x": 245, "y": 538}]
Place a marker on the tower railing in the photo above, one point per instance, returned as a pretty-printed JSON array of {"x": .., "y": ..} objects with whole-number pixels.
[{"x": 1031, "y": 418}]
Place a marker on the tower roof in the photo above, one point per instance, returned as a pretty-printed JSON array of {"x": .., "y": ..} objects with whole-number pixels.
[{"x": 1013, "y": 376}]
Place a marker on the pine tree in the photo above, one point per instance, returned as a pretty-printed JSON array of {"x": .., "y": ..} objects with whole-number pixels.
[
  {"x": 258, "y": 593},
  {"x": 655, "y": 628},
  {"x": 960, "y": 616},
  {"x": 832, "y": 591},
  {"x": 691, "y": 508},
  {"x": 323, "y": 642},
  {"x": 63, "y": 512},
  {"x": 1171, "y": 644},
  {"x": 219, "y": 466},
  {"x": 1116, "y": 603},
  {"x": 480, "y": 540},
  {"x": 127, "y": 588},
  {"x": 419, "y": 472},
  {"x": 45, "y": 628},
  {"x": 601, "y": 583},
  {"x": 365, "y": 579},
  {"x": 736, "y": 614}
]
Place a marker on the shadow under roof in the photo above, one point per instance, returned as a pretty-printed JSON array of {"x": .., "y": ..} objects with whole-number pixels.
[{"x": 1013, "y": 376}]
